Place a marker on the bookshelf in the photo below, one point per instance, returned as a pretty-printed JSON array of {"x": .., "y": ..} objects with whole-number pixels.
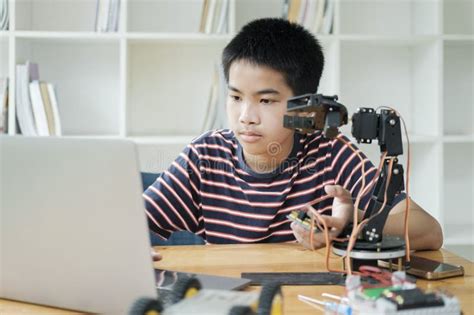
[{"x": 150, "y": 80}]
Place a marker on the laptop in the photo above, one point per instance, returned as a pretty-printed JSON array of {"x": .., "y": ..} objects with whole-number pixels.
[{"x": 73, "y": 230}]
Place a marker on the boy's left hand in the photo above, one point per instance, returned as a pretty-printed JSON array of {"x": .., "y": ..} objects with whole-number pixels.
[
  {"x": 342, "y": 211},
  {"x": 155, "y": 256}
]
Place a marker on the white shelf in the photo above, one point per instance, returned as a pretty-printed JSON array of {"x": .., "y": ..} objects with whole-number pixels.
[
  {"x": 458, "y": 139},
  {"x": 390, "y": 40},
  {"x": 157, "y": 140},
  {"x": 4, "y": 47},
  {"x": 457, "y": 17},
  {"x": 164, "y": 16},
  {"x": 461, "y": 234},
  {"x": 420, "y": 139},
  {"x": 56, "y": 15},
  {"x": 177, "y": 37},
  {"x": 458, "y": 76},
  {"x": 458, "y": 188},
  {"x": 458, "y": 37},
  {"x": 401, "y": 76},
  {"x": 67, "y": 35},
  {"x": 385, "y": 17},
  {"x": 94, "y": 136},
  {"x": 150, "y": 81},
  {"x": 135, "y": 36}
]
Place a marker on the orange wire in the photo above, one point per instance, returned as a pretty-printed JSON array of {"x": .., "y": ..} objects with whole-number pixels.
[
  {"x": 355, "y": 220},
  {"x": 407, "y": 185},
  {"x": 326, "y": 237}
]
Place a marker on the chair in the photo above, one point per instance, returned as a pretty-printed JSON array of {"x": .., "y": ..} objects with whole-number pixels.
[{"x": 176, "y": 238}]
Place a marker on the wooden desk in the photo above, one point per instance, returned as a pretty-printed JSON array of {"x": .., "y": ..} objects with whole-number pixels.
[{"x": 232, "y": 260}]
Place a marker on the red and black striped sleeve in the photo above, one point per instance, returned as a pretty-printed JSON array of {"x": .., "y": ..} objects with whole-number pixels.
[{"x": 173, "y": 201}]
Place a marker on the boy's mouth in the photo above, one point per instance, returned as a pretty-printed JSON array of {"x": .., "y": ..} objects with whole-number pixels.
[{"x": 250, "y": 136}]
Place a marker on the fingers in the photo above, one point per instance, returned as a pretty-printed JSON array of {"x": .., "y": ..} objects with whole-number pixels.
[
  {"x": 310, "y": 211},
  {"x": 334, "y": 222},
  {"x": 155, "y": 255},
  {"x": 335, "y": 226},
  {"x": 337, "y": 191},
  {"x": 331, "y": 222},
  {"x": 303, "y": 237},
  {"x": 298, "y": 232}
]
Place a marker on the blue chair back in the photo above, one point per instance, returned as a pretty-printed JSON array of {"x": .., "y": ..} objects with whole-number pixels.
[
  {"x": 148, "y": 179},
  {"x": 177, "y": 238}
]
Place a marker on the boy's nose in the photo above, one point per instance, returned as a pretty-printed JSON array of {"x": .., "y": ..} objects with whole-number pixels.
[{"x": 249, "y": 115}]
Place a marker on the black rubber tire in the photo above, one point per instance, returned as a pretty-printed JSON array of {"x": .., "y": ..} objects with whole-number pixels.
[
  {"x": 144, "y": 305},
  {"x": 182, "y": 286},
  {"x": 265, "y": 302},
  {"x": 241, "y": 310}
]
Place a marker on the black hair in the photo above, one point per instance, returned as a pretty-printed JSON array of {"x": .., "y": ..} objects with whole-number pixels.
[{"x": 281, "y": 45}]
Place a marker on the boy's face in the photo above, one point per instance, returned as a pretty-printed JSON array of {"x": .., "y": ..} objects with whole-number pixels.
[{"x": 255, "y": 108}]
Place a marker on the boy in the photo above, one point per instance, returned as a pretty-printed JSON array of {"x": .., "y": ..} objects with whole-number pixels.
[{"x": 238, "y": 185}]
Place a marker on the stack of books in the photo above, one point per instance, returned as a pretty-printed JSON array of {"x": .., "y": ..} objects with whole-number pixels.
[
  {"x": 317, "y": 16},
  {"x": 4, "y": 15},
  {"x": 214, "y": 17},
  {"x": 36, "y": 103},
  {"x": 107, "y": 15}
]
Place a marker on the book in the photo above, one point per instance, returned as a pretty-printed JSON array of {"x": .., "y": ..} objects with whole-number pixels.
[
  {"x": 113, "y": 16},
  {"x": 294, "y": 10},
  {"x": 47, "y": 107},
  {"x": 210, "y": 116},
  {"x": 310, "y": 14},
  {"x": 303, "y": 11},
  {"x": 318, "y": 19},
  {"x": 215, "y": 117},
  {"x": 210, "y": 16},
  {"x": 24, "y": 112},
  {"x": 102, "y": 14},
  {"x": 223, "y": 18},
  {"x": 216, "y": 16},
  {"x": 4, "y": 15},
  {"x": 54, "y": 106},
  {"x": 6, "y": 110},
  {"x": 3, "y": 105},
  {"x": 328, "y": 19},
  {"x": 205, "y": 8},
  {"x": 221, "y": 113},
  {"x": 285, "y": 9},
  {"x": 114, "y": 24},
  {"x": 38, "y": 109}
]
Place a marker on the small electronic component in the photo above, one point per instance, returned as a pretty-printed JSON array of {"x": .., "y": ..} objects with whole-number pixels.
[
  {"x": 399, "y": 298},
  {"x": 411, "y": 299},
  {"x": 303, "y": 219},
  {"x": 416, "y": 301},
  {"x": 375, "y": 293}
]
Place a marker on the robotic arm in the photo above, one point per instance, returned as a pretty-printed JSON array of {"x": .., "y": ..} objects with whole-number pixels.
[{"x": 326, "y": 114}]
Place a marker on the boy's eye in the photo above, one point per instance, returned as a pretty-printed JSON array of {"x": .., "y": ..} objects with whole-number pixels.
[
  {"x": 235, "y": 97},
  {"x": 266, "y": 101}
]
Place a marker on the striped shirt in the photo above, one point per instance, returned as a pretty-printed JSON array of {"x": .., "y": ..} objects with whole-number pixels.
[{"x": 210, "y": 190}]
